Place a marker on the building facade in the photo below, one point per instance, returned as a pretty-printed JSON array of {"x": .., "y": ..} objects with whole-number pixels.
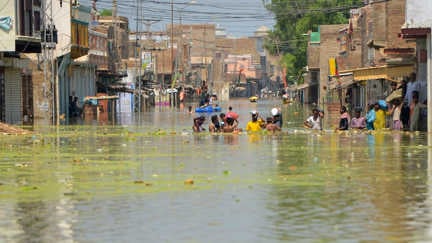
[
  {"x": 358, "y": 61},
  {"x": 20, "y": 35},
  {"x": 417, "y": 26}
]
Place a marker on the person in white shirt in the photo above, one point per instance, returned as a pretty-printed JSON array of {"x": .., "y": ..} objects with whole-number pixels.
[
  {"x": 314, "y": 121},
  {"x": 412, "y": 85}
]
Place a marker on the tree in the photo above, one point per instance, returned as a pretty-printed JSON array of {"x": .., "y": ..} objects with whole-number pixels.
[
  {"x": 295, "y": 18},
  {"x": 105, "y": 12}
]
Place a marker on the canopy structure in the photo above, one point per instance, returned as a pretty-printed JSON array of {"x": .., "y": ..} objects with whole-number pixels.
[{"x": 392, "y": 73}]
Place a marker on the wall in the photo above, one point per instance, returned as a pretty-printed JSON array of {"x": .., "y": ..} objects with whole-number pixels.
[
  {"x": 418, "y": 16},
  {"x": 352, "y": 58},
  {"x": 239, "y": 46},
  {"x": 98, "y": 49},
  {"x": 235, "y": 63},
  {"x": 202, "y": 38},
  {"x": 42, "y": 102},
  {"x": 7, "y": 38},
  {"x": 418, "y": 13},
  {"x": 395, "y": 20},
  {"x": 62, "y": 21},
  {"x": 329, "y": 47},
  {"x": 82, "y": 80}
]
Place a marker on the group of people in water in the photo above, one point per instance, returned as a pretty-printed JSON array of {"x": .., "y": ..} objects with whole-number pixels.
[
  {"x": 229, "y": 123},
  {"x": 403, "y": 109}
]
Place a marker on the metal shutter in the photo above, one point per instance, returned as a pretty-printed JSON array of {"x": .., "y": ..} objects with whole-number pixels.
[{"x": 13, "y": 98}]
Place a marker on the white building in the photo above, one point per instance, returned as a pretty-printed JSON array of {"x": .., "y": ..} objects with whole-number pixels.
[{"x": 418, "y": 25}]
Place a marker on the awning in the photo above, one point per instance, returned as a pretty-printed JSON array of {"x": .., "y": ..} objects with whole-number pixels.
[
  {"x": 385, "y": 72},
  {"x": 303, "y": 86},
  {"x": 343, "y": 81},
  {"x": 420, "y": 32},
  {"x": 298, "y": 87}
]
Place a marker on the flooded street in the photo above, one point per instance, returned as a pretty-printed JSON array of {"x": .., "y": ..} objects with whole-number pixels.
[{"x": 151, "y": 180}]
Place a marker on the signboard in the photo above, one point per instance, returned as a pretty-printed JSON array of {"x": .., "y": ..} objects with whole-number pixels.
[{"x": 146, "y": 59}]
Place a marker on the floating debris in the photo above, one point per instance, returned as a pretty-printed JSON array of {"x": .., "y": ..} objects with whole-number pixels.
[
  {"x": 143, "y": 182},
  {"x": 23, "y": 165},
  {"x": 189, "y": 182},
  {"x": 292, "y": 168}
]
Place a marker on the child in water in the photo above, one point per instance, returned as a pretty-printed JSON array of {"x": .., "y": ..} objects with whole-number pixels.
[
  {"x": 272, "y": 125},
  {"x": 197, "y": 124},
  {"x": 214, "y": 125}
]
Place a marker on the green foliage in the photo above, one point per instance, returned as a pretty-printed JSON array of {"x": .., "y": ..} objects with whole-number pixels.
[
  {"x": 105, "y": 12},
  {"x": 288, "y": 61},
  {"x": 296, "y": 18}
]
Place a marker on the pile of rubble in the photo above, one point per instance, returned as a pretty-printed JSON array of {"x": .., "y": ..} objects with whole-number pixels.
[{"x": 12, "y": 130}]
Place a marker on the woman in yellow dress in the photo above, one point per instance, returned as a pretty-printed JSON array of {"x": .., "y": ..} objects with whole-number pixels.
[{"x": 380, "y": 120}]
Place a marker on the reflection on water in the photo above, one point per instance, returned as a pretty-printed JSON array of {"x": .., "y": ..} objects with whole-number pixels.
[{"x": 126, "y": 183}]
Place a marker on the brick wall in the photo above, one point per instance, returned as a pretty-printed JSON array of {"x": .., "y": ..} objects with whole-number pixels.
[
  {"x": 332, "y": 115},
  {"x": 395, "y": 19},
  {"x": 239, "y": 46},
  {"x": 42, "y": 100},
  {"x": 313, "y": 56},
  {"x": 353, "y": 57},
  {"x": 329, "y": 48},
  {"x": 201, "y": 36}
]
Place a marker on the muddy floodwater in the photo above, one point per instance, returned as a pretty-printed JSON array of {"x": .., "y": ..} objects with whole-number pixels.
[{"x": 147, "y": 178}]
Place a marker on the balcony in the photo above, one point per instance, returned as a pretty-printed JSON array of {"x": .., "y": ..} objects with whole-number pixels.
[
  {"x": 79, "y": 38},
  {"x": 29, "y": 22}
]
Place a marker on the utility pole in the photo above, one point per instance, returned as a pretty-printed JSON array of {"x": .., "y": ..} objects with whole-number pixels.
[
  {"x": 114, "y": 24},
  {"x": 138, "y": 63},
  {"x": 147, "y": 23},
  {"x": 48, "y": 46},
  {"x": 93, "y": 11},
  {"x": 172, "y": 41}
]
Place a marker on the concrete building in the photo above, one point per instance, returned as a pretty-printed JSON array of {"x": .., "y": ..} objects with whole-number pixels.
[
  {"x": 20, "y": 36},
  {"x": 246, "y": 62},
  {"x": 117, "y": 50},
  {"x": 199, "y": 40},
  {"x": 359, "y": 60},
  {"x": 385, "y": 57},
  {"x": 76, "y": 75},
  {"x": 328, "y": 48},
  {"x": 417, "y": 26}
]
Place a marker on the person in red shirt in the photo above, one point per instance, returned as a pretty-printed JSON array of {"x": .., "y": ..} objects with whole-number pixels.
[{"x": 232, "y": 114}]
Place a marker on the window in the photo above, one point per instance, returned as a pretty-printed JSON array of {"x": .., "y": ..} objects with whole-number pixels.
[
  {"x": 37, "y": 21},
  {"x": 28, "y": 17},
  {"x": 371, "y": 55},
  {"x": 2, "y": 95},
  {"x": 314, "y": 77}
]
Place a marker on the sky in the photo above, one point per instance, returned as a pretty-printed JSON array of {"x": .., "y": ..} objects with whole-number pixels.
[{"x": 238, "y": 17}]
